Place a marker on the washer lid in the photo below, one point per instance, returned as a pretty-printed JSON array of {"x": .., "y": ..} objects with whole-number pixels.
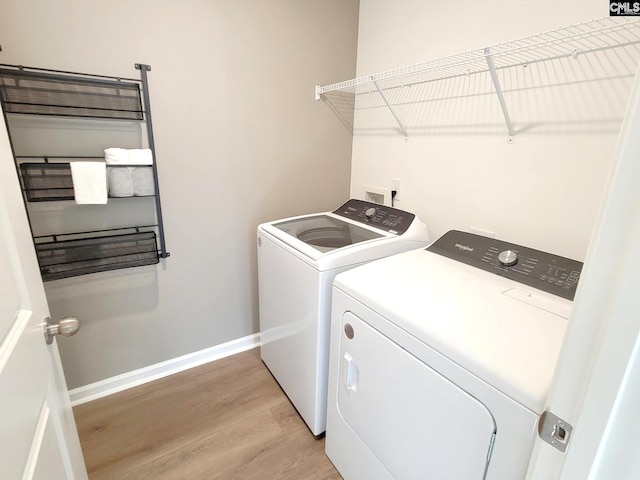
[{"x": 325, "y": 233}]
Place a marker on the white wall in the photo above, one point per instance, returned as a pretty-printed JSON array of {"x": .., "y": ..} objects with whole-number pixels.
[
  {"x": 457, "y": 169},
  {"x": 239, "y": 138}
]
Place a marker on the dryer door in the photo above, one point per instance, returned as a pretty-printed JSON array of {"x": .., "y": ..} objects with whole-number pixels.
[{"x": 417, "y": 423}]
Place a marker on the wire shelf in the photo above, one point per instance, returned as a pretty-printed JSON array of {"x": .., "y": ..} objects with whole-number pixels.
[
  {"x": 45, "y": 182},
  {"x": 71, "y": 255},
  {"x": 44, "y": 93},
  {"x": 390, "y": 90},
  {"x": 581, "y": 38},
  {"x": 52, "y": 181}
]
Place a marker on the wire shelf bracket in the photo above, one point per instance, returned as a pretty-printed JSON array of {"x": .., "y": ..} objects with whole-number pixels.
[
  {"x": 498, "y": 88},
  {"x": 152, "y": 146},
  {"x": 393, "y": 112}
]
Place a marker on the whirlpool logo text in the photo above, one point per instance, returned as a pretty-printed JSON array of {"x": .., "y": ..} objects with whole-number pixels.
[{"x": 464, "y": 248}]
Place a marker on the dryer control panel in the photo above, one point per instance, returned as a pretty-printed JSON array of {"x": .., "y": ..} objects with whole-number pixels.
[
  {"x": 385, "y": 218},
  {"x": 544, "y": 271}
]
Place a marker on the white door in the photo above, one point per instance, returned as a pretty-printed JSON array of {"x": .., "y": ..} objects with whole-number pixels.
[
  {"x": 38, "y": 437},
  {"x": 596, "y": 383}
]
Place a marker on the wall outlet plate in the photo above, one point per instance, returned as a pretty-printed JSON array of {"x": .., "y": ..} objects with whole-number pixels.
[{"x": 396, "y": 184}]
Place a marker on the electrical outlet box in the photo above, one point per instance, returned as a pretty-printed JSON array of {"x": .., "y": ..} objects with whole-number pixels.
[
  {"x": 375, "y": 198},
  {"x": 379, "y": 195},
  {"x": 482, "y": 231}
]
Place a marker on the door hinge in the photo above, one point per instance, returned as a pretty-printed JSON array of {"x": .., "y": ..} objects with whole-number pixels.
[{"x": 554, "y": 430}]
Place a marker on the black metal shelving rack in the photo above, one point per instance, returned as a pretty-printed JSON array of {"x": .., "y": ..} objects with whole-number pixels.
[{"x": 37, "y": 91}]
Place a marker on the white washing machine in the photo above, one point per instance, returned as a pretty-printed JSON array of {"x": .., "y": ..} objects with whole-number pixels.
[
  {"x": 297, "y": 261},
  {"x": 441, "y": 359}
]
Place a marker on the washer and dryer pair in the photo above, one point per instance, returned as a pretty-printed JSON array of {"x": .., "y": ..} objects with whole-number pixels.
[
  {"x": 440, "y": 357},
  {"x": 298, "y": 259},
  {"x": 441, "y": 360}
]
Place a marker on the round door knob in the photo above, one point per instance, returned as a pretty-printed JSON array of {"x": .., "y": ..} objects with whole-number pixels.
[
  {"x": 370, "y": 212},
  {"x": 508, "y": 258},
  {"x": 66, "y": 327}
]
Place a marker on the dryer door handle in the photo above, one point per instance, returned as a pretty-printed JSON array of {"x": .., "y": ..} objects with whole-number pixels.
[{"x": 350, "y": 373}]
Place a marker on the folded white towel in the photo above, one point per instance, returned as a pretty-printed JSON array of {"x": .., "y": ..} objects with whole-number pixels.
[
  {"x": 133, "y": 156},
  {"x": 89, "y": 182},
  {"x": 140, "y": 156},
  {"x": 120, "y": 181},
  {"x": 116, "y": 156},
  {"x": 143, "y": 184}
]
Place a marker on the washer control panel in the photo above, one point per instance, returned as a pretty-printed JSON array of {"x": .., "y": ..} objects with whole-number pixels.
[
  {"x": 541, "y": 270},
  {"x": 385, "y": 218}
]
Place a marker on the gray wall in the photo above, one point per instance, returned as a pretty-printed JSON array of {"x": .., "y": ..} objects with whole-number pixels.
[{"x": 239, "y": 138}]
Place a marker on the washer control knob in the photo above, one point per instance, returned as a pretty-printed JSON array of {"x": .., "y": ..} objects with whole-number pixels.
[
  {"x": 508, "y": 258},
  {"x": 370, "y": 212}
]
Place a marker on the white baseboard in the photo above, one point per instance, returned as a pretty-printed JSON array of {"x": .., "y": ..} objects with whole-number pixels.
[{"x": 105, "y": 387}]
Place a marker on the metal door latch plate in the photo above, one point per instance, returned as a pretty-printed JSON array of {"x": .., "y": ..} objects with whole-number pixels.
[{"x": 554, "y": 431}]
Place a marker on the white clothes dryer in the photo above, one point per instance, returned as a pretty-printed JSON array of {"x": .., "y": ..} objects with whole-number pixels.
[
  {"x": 298, "y": 259},
  {"x": 441, "y": 359}
]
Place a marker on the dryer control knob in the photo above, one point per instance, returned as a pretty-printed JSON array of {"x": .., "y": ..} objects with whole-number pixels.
[
  {"x": 508, "y": 258},
  {"x": 370, "y": 212}
]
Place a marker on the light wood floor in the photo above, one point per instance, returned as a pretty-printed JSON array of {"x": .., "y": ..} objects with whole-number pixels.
[{"x": 228, "y": 419}]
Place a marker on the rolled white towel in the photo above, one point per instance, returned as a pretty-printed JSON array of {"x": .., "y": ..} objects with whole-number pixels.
[
  {"x": 89, "y": 182},
  {"x": 143, "y": 184},
  {"x": 120, "y": 181}
]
